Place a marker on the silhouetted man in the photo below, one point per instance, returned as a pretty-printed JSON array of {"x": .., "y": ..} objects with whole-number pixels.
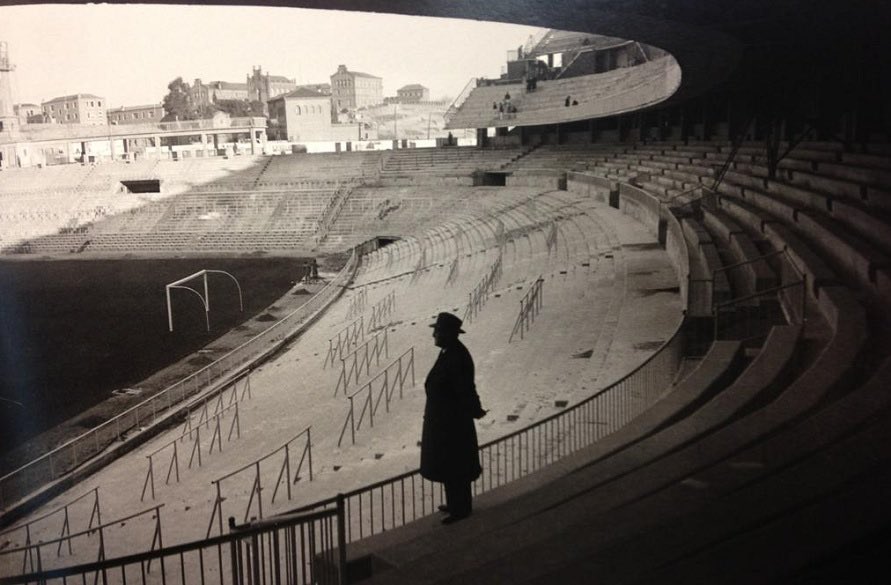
[{"x": 449, "y": 448}]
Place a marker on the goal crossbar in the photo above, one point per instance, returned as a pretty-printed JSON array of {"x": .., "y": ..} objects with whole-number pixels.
[{"x": 205, "y": 298}]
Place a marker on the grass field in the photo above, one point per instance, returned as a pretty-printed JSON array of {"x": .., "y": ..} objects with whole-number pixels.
[{"x": 76, "y": 330}]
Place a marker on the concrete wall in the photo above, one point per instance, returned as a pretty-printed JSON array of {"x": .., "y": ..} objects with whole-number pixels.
[
  {"x": 597, "y": 188},
  {"x": 547, "y": 179}
]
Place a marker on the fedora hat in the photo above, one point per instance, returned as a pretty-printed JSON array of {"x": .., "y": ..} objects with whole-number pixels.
[{"x": 448, "y": 322}]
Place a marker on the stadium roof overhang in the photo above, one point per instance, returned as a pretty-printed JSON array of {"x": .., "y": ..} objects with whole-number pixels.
[{"x": 708, "y": 38}]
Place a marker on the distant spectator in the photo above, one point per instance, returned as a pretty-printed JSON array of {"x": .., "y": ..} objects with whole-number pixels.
[
  {"x": 575, "y": 102},
  {"x": 566, "y": 103},
  {"x": 507, "y": 97},
  {"x": 494, "y": 105}
]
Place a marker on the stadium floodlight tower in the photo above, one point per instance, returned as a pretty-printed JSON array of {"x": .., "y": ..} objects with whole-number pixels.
[{"x": 205, "y": 298}]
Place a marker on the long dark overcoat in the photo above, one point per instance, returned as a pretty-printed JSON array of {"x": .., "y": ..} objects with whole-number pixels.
[{"x": 449, "y": 448}]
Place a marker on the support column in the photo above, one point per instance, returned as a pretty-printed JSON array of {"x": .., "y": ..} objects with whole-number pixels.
[
  {"x": 203, "y": 144},
  {"x": 156, "y": 141},
  {"x": 83, "y": 151},
  {"x": 111, "y": 147}
]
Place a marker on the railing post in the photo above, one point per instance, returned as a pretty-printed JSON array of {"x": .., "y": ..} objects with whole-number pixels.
[
  {"x": 352, "y": 420},
  {"x": 341, "y": 541},
  {"x": 309, "y": 449}
]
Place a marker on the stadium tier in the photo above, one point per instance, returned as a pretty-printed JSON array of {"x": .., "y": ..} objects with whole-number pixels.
[
  {"x": 677, "y": 294},
  {"x": 589, "y": 96}
]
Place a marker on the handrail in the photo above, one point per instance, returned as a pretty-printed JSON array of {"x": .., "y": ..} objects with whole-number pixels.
[
  {"x": 257, "y": 488},
  {"x": 459, "y": 100},
  {"x": 387, "y": 386},
  {"x": 360, "y": 358},
  {"x": 44, "y": 468},
  {"x": 307, "y": 548},
  {"x": 530, "y": 305},
  {"x": 578, "y": 425},
  {"x": 62, "y": 508}
]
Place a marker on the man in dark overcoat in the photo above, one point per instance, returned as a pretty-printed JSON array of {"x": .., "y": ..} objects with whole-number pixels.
[{"x": 449, "y": 448}]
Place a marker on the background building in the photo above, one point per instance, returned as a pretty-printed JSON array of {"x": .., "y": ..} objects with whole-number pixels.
[
  {"x": 204, "y": 94},
  {"x": 29, "y": 113},
  {"x": 136, "y": 114},
  {"x": 301, "y": 114},
  {"x": 80, "y": 108},
  {"x": 354, "y": 89},
  {"x": 412, "y": 94},
  {"x": 263, "y": 87},
  {"x": 304, "y": 115}
]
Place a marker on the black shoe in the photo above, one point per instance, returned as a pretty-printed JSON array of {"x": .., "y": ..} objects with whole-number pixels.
[
  {"x": 452, "y": 518},
  {"x": 443, "y": 508}
]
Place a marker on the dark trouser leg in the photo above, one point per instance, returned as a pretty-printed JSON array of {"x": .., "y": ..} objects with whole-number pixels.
[{"x": 459, "y": 497}]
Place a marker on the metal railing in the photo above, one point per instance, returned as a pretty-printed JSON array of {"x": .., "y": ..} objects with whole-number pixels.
[
  {"x": 380, "y": 311},
  {"x": 299, "y": 549},
  {"x": 193, "y": 435},
  {"x": 530, "y": 306},
  {"x": 239, "y": 388},
  {"x": 74, "y": 452},
  {"x": 353, "y": 364},
  {"x": 66, "y": 512},
  {"x": 551, "y": 239},
  {"x": 94, "y": 542},
  {"x": 401, "y": 499},
  {"x": 332, "y": 212},
  {"x": 453, "y": 270},
  {"x": 384, "y": 384},
  {"x": 346, "y": 338},
  {"x": 459, "y": 101},
  {"x": 476, "y": 299},
  {"x": 256, "y": 488},
  {"x": 358, "y": 302}
]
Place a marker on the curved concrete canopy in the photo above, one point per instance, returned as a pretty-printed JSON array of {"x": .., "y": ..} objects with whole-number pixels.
[{"x": 706, "y": 56}]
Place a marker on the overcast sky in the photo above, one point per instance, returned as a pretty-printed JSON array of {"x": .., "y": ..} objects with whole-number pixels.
[{"x": 128, "y": 54}]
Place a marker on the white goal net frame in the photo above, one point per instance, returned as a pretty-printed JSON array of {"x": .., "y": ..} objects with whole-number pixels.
[{"x": 205, "y": 298}]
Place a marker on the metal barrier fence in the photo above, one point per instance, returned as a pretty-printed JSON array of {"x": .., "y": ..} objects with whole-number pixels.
[
  {"x": 348, "y": 337},
  {"x": 399, "y": 500},
  {"x": 477, "y": 298},
  {"x": 381, "y": 310},
  {"x": 60, "y": 460},
  {"x": 66, "y": 512},
  {"x": 551, "y": 239},
  {"x": 298, "y": 549},
  {"x": 358, "y": 302},
  {"x": 530, "y": 306},
  {"x": 220, "y": 403},
  {"x": 194, "y": 436},
  {"x": 97, "y": 542},
  {"x": 352, "y": 365},
  {"x": 256, "y": 485},
  {"x": 388, "y": 384},
  {"x": 453, "y": 270}
]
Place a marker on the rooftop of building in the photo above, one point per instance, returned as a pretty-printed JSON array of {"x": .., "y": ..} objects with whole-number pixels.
[
  {"x": 411, "y": 86},
  {"x": 75, "y": 96},
  {"x": 302, "y": 92},
  {"x": 132, "y": 108},
  {"x": 343, "y": 69},
  {"x": 280, "y": 79},
  {"x": 227, "y": 85}
]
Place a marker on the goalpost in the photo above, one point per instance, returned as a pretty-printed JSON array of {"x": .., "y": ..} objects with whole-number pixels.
[{"x": 205, "y": 298}]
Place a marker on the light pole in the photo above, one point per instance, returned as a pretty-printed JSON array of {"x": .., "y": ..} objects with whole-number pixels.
[{"x": 395, "y": 134}]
